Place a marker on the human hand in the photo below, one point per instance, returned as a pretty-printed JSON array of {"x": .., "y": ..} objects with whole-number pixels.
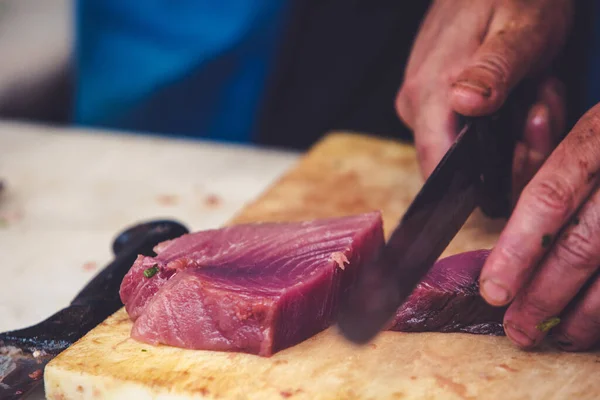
[
  {"x": 547, "y": 257},
  {"x": 467, "y": 57}
]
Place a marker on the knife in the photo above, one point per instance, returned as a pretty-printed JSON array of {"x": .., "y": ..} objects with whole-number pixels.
[
  {"x": 24, "y": 353},
  {"x": 475, "y": 172}
]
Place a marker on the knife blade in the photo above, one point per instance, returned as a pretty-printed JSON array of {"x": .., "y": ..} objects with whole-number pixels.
[{"x": 475, "y": 172}]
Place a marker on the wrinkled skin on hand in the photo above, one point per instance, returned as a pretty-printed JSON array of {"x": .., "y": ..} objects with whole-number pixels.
[
  {"x": 546, "y": 259},
  {"x": 466, "y": 59}
]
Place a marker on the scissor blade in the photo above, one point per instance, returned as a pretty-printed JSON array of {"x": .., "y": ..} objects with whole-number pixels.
[{"x": 437, "y": 213}]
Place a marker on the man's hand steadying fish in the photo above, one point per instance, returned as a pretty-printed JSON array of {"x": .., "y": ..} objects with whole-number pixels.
[{"x": 466, "y": 59}]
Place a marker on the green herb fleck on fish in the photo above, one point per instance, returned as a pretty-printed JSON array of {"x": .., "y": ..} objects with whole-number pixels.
[
  {"x": 548, "y": 324},
  {"x": 150, "y": 272},
  {"x": 144, "y": 350},
  {"x": 546, "y": 240}
]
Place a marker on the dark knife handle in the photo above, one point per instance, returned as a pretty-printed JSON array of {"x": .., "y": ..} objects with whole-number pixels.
[
  {"x": 98, "y": 300},
  {"x": 100, "y": 297},
  {"x": 498, "y": 135}
]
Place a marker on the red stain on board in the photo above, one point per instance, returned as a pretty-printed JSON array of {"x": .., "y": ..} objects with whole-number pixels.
[
  {"x": 167, "y": 199},
  {"x": 213, "y": 201},
  {"x": 90, "y": 266}
]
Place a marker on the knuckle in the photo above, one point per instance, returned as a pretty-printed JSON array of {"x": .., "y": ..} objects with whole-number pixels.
[
  {"x": 410, "y": 88},
  {"x": 594, "y": 115},
  {"x": 514, "y": 253},
  {"x": 403, "y": 109},
  {"x": 584, "y": 140},
  {"x": 587, "y": 128},
  {"x": 405, "y": 100},
  {"x": 537, "y": 307},
  {"x": 532, "y": 309},
  {"x": 497, "y": 65},
  {"x": 576, "y": 250},
  {"x": 553, "y": 195}
]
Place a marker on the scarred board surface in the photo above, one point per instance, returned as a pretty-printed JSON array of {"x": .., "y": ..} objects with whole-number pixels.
[{"x": 344, "y": 174}]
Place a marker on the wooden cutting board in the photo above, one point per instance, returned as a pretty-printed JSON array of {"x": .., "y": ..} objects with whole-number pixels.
[{"x": 343, "y": 174}]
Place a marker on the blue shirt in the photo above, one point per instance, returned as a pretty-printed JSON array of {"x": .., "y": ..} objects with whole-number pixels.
[
  {"x": 189, "y": 67},
  {"x": 183, "y": 67},
  {"x": 593, "y": 93}
]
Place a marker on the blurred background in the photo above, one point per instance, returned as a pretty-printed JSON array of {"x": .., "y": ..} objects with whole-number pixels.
[
  {"x": 36, "y": 39},
  {"x": 267, "y": 72}
]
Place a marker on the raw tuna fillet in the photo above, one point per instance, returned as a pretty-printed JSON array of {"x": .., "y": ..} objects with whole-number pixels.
[
  {"x": 447, "y": 300},
  {"x": 255, "y": 288}
]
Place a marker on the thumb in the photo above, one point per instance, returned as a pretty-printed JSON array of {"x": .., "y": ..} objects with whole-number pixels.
[{"x": 517, "y": 43}]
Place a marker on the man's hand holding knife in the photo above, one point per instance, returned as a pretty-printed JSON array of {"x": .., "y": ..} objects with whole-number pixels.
[{"x": 467, "y": 58}]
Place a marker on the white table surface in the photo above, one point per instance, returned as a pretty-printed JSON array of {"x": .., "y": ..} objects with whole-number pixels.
[{"x": 69, "y": 192}]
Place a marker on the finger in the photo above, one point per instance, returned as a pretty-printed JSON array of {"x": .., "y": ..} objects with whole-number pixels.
[
  {"x": 547, "y": 118},
  {"x": 581, "y": 328},
  {"x": 435, "y": 131},
  {"x": 536, "y": 146},
  {"x": 548, "y": 201},
  {"x": 517, "y": 42},
  {"x": 449, "y": 29},
  {"x": 570, "y": 263},
  {"x": 538, "y": 132},
  {"x": 520, "y": 161},
  {"x": 404, "y": 110},
  {"x": 526, "y": 163},
  {"x": 552, "y": 94},
  {"x": 544, "y": 127}
]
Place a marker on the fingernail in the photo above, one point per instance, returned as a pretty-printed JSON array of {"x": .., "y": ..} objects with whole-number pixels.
[
  {"x": 517, "y": 335},
  {"x": 494, "y": 292},
  {"x": 538, "y": 131},
  {"x": 476, "y": 86},
  {"x": 540, "y": 115}
]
